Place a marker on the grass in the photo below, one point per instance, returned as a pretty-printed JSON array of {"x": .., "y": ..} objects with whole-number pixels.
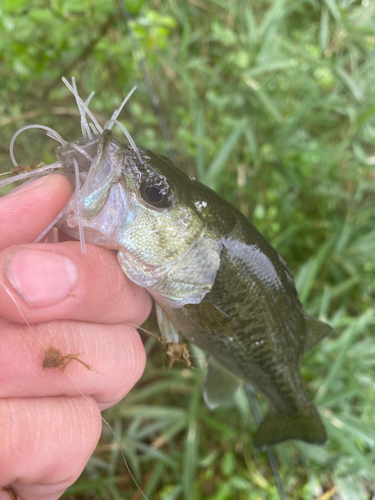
[{"x": 272, "y": 104}]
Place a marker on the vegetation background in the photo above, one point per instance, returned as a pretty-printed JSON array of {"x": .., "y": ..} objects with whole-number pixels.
[{"x": 271, "y": 103}]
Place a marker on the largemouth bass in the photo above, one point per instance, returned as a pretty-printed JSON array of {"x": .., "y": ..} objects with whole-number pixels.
[{"x": 214, "y": 277}]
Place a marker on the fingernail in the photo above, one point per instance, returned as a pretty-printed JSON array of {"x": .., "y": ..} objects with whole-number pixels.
[
  {"x": 40, "y": 278},
  {"x": 29, "y": 185}
]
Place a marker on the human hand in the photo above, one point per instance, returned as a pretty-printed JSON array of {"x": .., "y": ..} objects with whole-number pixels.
[{"x": 76, "y": 304}]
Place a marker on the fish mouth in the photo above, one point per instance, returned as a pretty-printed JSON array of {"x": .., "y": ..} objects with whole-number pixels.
[
  {"x": 104, "y": 229},
  {"x": 96, "y": 211},
  {"x": 91, "y": 235}
]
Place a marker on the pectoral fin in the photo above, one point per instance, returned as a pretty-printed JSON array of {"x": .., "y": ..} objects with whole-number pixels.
[
  {"x": 276, "y": 428},
  {"x": 219, "y": 384},
  {"x": 167, "y": 329},
  {"x": 316, "y": 331}
]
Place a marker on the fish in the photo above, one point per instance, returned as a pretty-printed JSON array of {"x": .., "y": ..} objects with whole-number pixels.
[{"x": 214, "y": 278}]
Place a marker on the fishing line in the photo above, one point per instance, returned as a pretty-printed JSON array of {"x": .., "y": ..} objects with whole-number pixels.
[
  {"x": 160, "y": 339},
  {"x": 77, "y": 195},
  {"x": 22, "y": 315},
  {"x": 79, "y": 208},
  {"x": 55, "y": 221},
  {"x": 116, "y": 440},
  {"x": 270, "y": 453},
  {"x": 148, "y": 83},
  {"x": 45, "y": 347}
]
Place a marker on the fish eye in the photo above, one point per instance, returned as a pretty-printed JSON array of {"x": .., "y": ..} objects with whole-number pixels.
[{"x": 157, "y": 193}]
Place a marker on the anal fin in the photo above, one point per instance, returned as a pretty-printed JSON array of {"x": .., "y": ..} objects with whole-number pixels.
[
  {"x": 219, "y": 384},
  {"x": 316, "y": 331}
]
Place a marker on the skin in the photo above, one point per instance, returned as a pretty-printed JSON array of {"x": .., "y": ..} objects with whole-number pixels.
[{"x": 76, "y": 304}]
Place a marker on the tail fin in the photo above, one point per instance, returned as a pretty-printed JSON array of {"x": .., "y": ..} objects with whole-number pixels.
[{"x": 276, "y": 428}]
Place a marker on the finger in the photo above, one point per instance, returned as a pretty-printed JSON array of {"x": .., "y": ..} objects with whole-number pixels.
[
  {"x": 45, "y": 443},
  {"x": 56, "y": 281},
  {"x": 114, "y": 353},
  {"x": 26, "y": 213}
]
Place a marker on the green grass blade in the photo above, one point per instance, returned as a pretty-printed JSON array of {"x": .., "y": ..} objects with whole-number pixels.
[
  {"x": 190, "y": 457},
  {"x": 199, "y": 133},
  {"x": 333, "y": 8},
  {"x": 350, "y": 84},
  {"x": 309, "y": 271},
  {"x": 324, "y": 30},
  {"x": 218, "y": 164},
  {"x": 265, "y": 100},
  {"x": 346, "y": 340}
]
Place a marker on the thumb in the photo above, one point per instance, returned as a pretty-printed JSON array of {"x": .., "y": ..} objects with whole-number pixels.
[{"x": 27, "y": 212}]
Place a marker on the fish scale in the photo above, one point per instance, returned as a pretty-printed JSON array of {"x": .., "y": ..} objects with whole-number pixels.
[{"x": 252, "y": 364}]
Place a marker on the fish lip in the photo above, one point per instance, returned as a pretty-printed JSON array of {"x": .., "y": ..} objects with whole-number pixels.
[{"x": 102, "y": 228}]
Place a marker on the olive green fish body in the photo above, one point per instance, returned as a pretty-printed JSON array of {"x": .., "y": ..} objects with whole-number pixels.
[
  {"x": 253, "y": 324},
  {"x": 214, "y": 277}
]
